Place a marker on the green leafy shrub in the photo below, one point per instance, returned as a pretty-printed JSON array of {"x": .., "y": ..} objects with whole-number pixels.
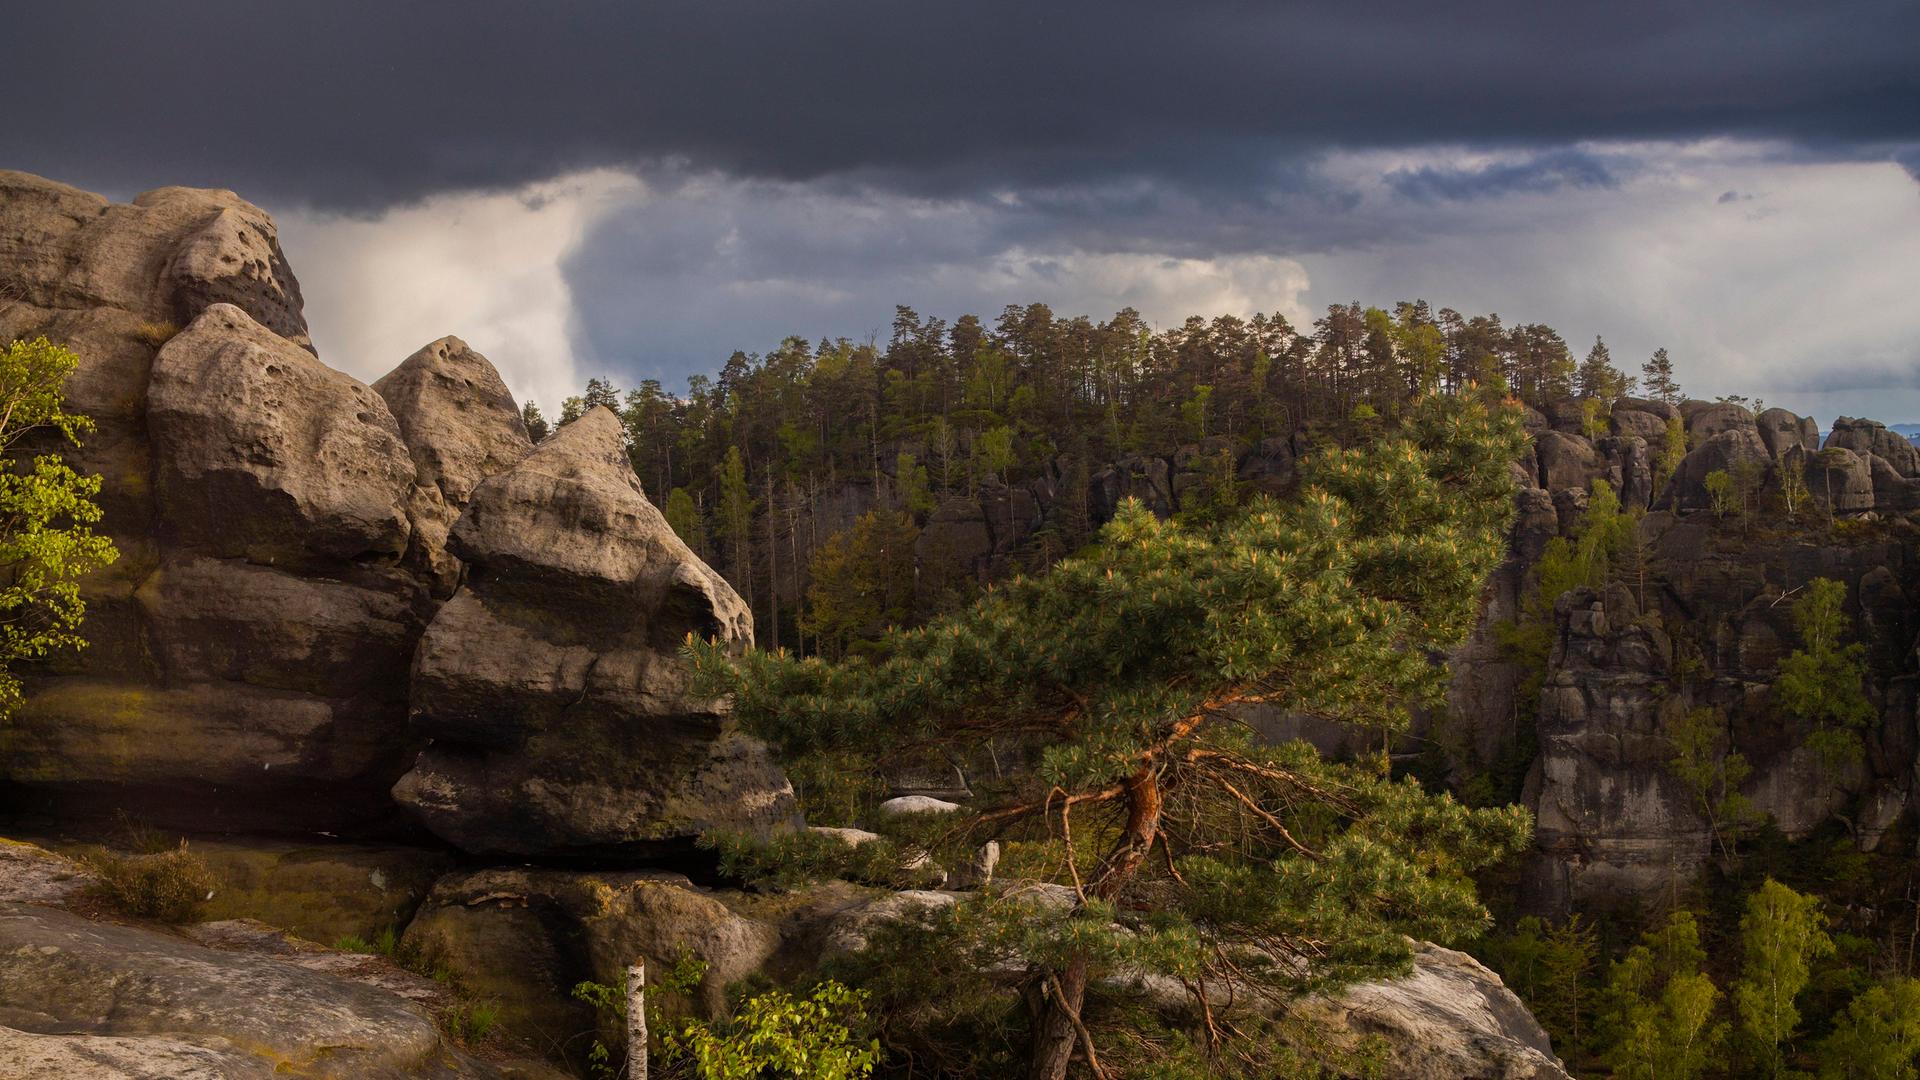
[
  {"x": 171, "y": 885},
  {"x": 778, "y": 1034}
]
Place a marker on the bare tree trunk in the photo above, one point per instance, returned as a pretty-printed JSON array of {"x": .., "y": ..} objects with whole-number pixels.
[
  {"x": 637, "y": 1020},
  {"x": 773, "y": 566}
]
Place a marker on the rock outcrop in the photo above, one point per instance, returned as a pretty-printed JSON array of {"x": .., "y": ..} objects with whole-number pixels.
[
  {"x": 550, "y": 684},
  {"x": 245, "y": 646},
  {"x": 1704, "y": 623},
  {"x": 1449, "y": 1019},
  {"x": 288, "y": 534},
  {"x": 524, "y": 937},
  {"x": 82, "y": 998},
  {"x": 461, "y": 425}
]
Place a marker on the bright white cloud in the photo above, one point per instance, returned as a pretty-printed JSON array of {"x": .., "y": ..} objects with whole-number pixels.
[{"x": 486, "y": 267}]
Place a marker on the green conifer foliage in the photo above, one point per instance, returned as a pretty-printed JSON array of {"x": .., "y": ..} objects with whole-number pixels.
[{"x": 1117, "y": 674}]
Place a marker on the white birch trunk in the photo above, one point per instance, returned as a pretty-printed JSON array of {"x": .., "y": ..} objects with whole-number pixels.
[{"x": 637, "y": 1020}]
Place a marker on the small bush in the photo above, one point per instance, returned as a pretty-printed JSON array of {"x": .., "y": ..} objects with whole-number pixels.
[
  {"x": 777, "y": 1034},
  {"x": 157, "y": 334},
  {"x": 171, "y": 885}
]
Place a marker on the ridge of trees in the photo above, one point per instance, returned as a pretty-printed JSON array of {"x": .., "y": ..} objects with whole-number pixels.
[{"x": 747, "y": 460}]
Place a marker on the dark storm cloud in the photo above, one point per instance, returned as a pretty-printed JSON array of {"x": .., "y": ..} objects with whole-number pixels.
[
  {"x": 359, "y": 104},
  {"x": 1537, "y": 174}
]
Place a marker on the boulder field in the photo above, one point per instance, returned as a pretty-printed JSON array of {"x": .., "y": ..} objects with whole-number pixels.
[{"x": 338, "y": 606}]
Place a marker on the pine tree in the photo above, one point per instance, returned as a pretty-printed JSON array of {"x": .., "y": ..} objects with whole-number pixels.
[
  {"x": 736, "y": 520},
  {"x": 536, "y": 423},
  {"x": 1119, "y": 671},
  {"x": 1598, "y": 378},
  {"x": 1656, "y": 377},
  {"x": 863, "y": 581},
  {"x": 1781, "y": 934},
  {"x": 686, "y": 521}
]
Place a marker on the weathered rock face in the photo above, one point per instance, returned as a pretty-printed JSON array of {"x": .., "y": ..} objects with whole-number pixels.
[
  {"x": 322, "y": 891},
  {"x": 1728, "y": 451},
  {"x": 524, "y": 937},
  {"x": 288, "y": 533},
  {"x": 1870, "y": 437},
  {"x": 264, "y": 453},
  {"x": 462, "y": 426},
  {"x": 1566, "y": 461},
  {"x": 1780, "y": 429},
  {"x": 244, "y": 647},
  {"x": 1449, "y": 1019},
  {"x": 551, "y": 685},
  {"x": 1612, "y": 819},
  {"x": 80, "y": 998}
]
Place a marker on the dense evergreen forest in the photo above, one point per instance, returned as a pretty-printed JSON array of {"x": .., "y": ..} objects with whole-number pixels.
[{"x": 768, "y": 468}]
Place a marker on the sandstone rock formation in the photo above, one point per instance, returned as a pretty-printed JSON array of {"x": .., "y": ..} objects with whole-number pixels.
[
  {"x": 462, "y": 426},
  {"x": 244, "y": 644},
  {"x": 559, "y": 710},
  {"x": 81, "y": 998},
  {"x": 524, "y": 937},
  {"x": 287, "y": 535},
  {"x": 1449, "y": 1019}
]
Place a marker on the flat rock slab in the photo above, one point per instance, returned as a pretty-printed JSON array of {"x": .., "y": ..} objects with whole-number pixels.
[{"x": 93, "y": 999}]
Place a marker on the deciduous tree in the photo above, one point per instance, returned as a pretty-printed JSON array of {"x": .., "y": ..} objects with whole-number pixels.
[{"x": 47, "y": 513}]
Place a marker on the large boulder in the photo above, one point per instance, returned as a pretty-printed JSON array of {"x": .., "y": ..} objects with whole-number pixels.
[
  {"x": 1781, "y": 430},
  {"x": 1865, "y": 437},
  {"x": 80, "y": 998},
  {"x": 551, "y": 685},
  {"x": 1837, "y": 478},
  {"x": 165, "y": 257},
  {"x": 1731, "y": 451},
  {"x": 1706, "y": 420},
  {"x": 1893, "y": 491},
  {"x": 265, "y": 453},
  {"x": 1448, "y": 1019},
  {"x": 1566, "y": 461},
  {"x": 462, "y": 426},
  {"x": 1149, "y": 479},
  {"x": 524, "y": 937}
]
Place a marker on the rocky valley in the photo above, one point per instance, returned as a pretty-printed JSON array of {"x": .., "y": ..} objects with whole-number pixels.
[{"x": 411, "y": 685}]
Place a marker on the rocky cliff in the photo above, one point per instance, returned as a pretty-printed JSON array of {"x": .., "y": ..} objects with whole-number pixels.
[
  {"x": 320, "y": 579},
  {"x": 1702, "y": 618}
]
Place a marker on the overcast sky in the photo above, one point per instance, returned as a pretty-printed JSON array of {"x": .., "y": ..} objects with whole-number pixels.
[{"x": 637, "y": 189}]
